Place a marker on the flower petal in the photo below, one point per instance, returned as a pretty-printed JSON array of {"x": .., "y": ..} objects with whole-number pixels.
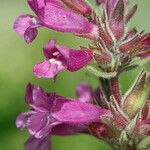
[
  {"x": 50, "y": 49},
  {"x": 36, "y": 123},
  {"x": 40, "y": 124},
  {"x": 30, "y": 35},
  {"x": 26, "y": 25},
  {"x": 75, "y": 59},
  {"x": 38, "y": 99},
  {"x": 78, "y": 59},
  {"x": 22, "y": 23},
  {"x": 63, "y": 20},
  {"x": 48, "y": 69},
  {"x": 66, "y": 129},
  {"x": 75, "y": 112},
  {"x": 85, "y": 93},
  {"x": 22, "y": 119},
  {"x": 38, "y": 144},
  {"x": 36, "y": 5}
]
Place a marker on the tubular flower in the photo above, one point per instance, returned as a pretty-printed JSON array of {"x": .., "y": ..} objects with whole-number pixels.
[
  {"x": 53, "y": 14},
  {"x": 53, "y": 114},
  {"x": 59, "y": 58}
]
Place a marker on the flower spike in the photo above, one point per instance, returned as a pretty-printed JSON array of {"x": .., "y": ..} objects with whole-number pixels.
[{"x": 110, "y": 115}]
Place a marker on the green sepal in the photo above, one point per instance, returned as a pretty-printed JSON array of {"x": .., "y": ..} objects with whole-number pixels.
[
  {"x": 135, "y": 98},
  {"x": 123, "y": 138}
]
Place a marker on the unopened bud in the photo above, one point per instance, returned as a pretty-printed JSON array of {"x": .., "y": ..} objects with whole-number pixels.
[{"x": 136, "y": 97}]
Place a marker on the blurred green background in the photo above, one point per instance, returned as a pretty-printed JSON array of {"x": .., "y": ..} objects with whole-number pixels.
[{"x": 16, "y": 62}]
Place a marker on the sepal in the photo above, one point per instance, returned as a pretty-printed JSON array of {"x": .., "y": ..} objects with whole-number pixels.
[
  {"x": 117, "y": 24},
  {"x": 131, "y": 13},
  {"x": 123, "y": 138},
  {"x": 134, "y": 100}
]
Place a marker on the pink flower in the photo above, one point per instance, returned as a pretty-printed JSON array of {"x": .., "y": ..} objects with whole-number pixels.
[
  {"x": 51, "y": 112},
  {"x": 53, "y": 15},
  {"x": 59, "y": 58}
]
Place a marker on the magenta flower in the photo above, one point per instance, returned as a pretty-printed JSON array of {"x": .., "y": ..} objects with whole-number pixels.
[
  {"x": 60, "y": 58},
  {"x": 85, "y": 93},
  {"x": 53, "y": 114},
  {"x": 49, "y": 14}
]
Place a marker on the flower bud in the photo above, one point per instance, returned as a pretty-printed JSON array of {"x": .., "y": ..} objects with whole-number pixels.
[{"x": 136, "y": 97}]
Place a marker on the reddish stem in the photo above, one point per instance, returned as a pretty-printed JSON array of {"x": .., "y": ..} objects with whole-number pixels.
[{"x": 115, "y": 88}]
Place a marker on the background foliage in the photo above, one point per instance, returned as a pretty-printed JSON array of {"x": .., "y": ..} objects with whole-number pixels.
[{"x": 16, "y": 62}]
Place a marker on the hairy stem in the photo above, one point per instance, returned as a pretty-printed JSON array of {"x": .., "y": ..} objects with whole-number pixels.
[{"x": 105, "y": 87}]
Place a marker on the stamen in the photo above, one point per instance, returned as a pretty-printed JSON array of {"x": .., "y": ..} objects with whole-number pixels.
[
  {"x": 34, "y": 21},
  {"x": 55, "y": 53}
]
